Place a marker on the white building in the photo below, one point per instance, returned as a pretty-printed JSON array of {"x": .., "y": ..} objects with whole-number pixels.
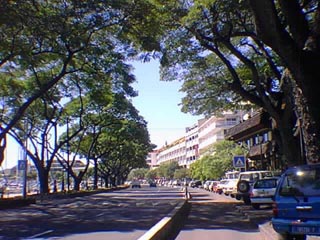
[
  {"x": 198, "y": 139},
  {"x": 213, "y": 129},
  {"x": 152, "y": 159},
  {"x": 176, "y": 151},
  {"x": 192, "y": 144}
]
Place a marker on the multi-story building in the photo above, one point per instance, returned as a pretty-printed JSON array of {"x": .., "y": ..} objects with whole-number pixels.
[
  {"x": 198, "y": 138},
  {"x": 176, "y": 151},
  {"x": 152, "y": 159},
  {"x": 192, "y": 144},
  {"x": 214, "y": 128}
]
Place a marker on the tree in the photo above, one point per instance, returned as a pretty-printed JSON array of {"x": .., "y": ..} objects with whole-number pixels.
[
  {"x": 138, "y": 173},
  {"x": 37, "y": 134},
  {"x": 218, "y": 161},
  {"x": 167, "y": 170},
  {"x": 181, "y": 173},
  {"x": 126, "y": 147},
  {"x": 214, "y": 48},
  {"x": 152, "y": 174},
  {"x": 43, "y": 44},
  {"x": 295, "y": 37}
]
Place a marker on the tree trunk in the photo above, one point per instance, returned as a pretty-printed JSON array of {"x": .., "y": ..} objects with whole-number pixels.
[
  {"x": 43, "y": 181},
  {"x": 95, "y": 178},
  {"x": 308, "y": 127},
  {"x": 106, "y": 182},
  {"x": 76, "y": 184}
]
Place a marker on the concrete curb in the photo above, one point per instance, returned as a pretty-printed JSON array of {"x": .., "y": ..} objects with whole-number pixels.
[
  {"x": 267, "y": 232},
  {"x": 169, "y": 226}
]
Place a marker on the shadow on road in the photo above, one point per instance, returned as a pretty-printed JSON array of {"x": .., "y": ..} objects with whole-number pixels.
[{"x": 212, "y": 216}]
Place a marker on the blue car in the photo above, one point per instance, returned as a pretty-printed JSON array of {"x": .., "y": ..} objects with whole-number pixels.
[{"x": 296, "y": 206}]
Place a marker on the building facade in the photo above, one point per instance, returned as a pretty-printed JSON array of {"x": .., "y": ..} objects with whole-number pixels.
[
  {"x": 255, "y": 134},
  {"x": 213, "y": 129},
  {"x": 175, "y": 151},
  {"x": 198, "y": 139}
]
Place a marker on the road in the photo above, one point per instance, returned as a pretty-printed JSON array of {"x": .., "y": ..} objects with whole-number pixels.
[
  {"x": 131, "y": 212},
  {"x": 128, "y": 214}
]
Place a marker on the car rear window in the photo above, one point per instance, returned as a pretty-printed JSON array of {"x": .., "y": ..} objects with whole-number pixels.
[
  {"x": 266, "y": 183},
  {"x": 304, "y": 182}
]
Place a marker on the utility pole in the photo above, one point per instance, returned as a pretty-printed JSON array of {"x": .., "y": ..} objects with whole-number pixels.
[
  {"x": 68, "y": 155},
  {"x": 24, "y": 164}
]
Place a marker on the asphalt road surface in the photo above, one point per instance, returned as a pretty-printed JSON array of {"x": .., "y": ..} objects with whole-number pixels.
[
  {"x": 125, "y": 213},
  {"x": 128, "y": 214}
]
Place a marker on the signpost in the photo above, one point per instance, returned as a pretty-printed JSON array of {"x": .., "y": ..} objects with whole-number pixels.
[
  {"x": 239, "y": 161},
  {"x": 22, "y": 164}
]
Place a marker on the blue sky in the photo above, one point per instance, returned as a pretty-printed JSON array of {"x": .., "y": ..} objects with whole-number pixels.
[{"x": 158, "y": 102}]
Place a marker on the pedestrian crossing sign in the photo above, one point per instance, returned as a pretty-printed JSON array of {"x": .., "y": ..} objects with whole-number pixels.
[{"x": 239, "y": 161}]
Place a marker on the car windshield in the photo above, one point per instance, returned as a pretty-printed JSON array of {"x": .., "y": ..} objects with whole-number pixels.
[{"x": 304, "y": 182}]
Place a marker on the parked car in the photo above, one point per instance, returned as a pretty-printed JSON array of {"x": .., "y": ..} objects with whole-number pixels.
[
  {"x": 195, "y": 183},
  {"x": 152, "y": 183},
  {"x": 135, "y": 184},
  {"x": 230, "y": 187},
  {"x": 263, "y": 191},
  {"x": 176, "y": 182},
  {"x": 220, "y": 185},
  {"x": 213, "y": 186},
  {"x": 246, "y": 181},
  {"x": 206, "y": 185},
  {"x": 297, "y": 203}
]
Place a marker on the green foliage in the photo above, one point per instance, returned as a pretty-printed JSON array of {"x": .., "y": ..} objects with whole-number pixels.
[
  {"x": 167, "y": 170},
  {"x": 138, "y": 173},
  {"x": 181, "y": 173},
  {"x": 217, "y": 161},
  {"x": 75, "y": 52},
  {"x": 152, "y": 174}
]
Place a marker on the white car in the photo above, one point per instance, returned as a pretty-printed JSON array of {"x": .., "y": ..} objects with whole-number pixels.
[
  {"x": 206, "y": 185},
  {"x": 263, "y": 191},
  {"x": 135, "y": 184},
  {"x": 230, "y": 188},
  {"x": 220, "y": 185}
]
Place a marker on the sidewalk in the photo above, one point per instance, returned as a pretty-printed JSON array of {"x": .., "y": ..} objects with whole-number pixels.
[
  {"x": 212, "y": 216},
  {"x": 204, "y": 224}
]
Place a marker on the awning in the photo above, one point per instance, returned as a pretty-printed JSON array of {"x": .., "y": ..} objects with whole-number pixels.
[
  {"x": 244, "y": 130},
  {"x": 258, "y": 152}
]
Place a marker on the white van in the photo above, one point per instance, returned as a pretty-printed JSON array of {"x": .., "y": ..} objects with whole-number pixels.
[{"x": 246, "y": 181}]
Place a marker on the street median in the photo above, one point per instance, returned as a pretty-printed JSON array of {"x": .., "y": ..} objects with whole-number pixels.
[{"x": 169, "y": 227}]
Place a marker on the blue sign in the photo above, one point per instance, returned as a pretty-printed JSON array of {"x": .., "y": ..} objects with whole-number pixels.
[
  {"x": 239, "y": 161},
  {"x": 22, "y": 165}
]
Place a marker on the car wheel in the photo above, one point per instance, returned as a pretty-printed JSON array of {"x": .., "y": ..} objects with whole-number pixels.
[
  {"x": 246, "y": 200},
  {"x": 243, "y": 186},
  {"x": 256, "y": 206}
]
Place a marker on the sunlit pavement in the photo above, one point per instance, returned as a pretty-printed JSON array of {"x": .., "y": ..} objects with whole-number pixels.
[
  {"x": 215, "y": 216},
  {"x": 126, "y": 214}
]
